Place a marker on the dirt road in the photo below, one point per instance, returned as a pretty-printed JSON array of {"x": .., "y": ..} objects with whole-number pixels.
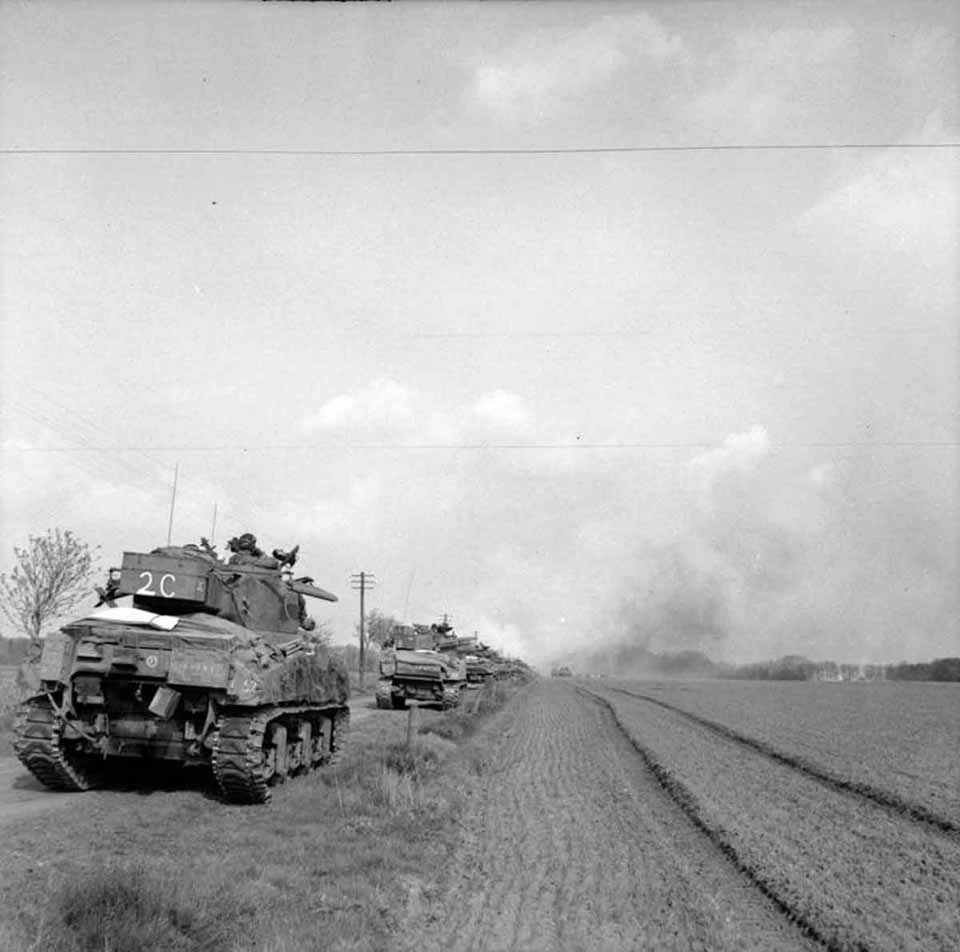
[{"x": 570, "y": 843}]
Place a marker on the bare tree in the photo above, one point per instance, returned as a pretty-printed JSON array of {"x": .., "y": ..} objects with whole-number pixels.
[
  {"x": 52, "y": 573},
  {"x": 322, "y": 634},
  {"x": 379, "y": 627}
]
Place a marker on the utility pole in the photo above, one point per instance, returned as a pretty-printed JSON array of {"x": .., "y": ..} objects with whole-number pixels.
[{"x": 362, "y": 582}]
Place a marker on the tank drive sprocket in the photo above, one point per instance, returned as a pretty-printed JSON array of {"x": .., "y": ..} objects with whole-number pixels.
[{"x": 38, "y": 742}]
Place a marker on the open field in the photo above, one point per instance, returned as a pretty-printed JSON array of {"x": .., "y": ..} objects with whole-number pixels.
[
  {"x": 898, "y": 740},
  {"x": 579, "y": 816},
  {"x": 858, "y": 868}
]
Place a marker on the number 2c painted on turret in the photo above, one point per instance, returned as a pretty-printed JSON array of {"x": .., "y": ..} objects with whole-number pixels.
[{"x": 148, "y": 589}]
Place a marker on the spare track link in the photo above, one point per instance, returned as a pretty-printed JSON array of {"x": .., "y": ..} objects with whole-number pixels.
[
  {"x": 38, "y": 742},
  {"x": 238, "y": 762}
]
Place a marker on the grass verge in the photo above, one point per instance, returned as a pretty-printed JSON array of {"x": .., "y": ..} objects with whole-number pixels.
[{"x": 337, "y": 861}]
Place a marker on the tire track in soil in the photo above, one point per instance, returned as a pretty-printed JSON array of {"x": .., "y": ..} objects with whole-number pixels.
[
  {"x": 874, "y": 795},
  {"x": 572, "y": 843}
]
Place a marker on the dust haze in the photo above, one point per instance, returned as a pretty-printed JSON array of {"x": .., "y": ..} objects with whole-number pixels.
[{"x": 849, "y": 561}]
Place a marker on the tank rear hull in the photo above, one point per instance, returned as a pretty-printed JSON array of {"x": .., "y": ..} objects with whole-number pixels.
[
  {"x": 207, "y": 693},
  {"x": 427, "y": 677}
]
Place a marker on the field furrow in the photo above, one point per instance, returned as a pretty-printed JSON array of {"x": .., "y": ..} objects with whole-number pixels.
[
  {"x": 884, "y": 798},
  {"x": 857, "y": 873},
  {"x": 573, "y": 844},
  {"x": 898, "y": 741}
]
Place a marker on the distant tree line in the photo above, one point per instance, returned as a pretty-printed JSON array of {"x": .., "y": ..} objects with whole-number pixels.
[
  {"x": 798, "y": 668},
  {"x": 943, "y": 669},
  {"x": 635, "y": 661}
]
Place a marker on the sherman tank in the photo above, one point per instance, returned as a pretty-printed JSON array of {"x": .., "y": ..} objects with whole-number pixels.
[
  {"x": 418, "y": 665},
  {"x": 213, "y": 665}
]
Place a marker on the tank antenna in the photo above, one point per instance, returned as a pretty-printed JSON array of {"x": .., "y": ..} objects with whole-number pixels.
[
  {"x": 213, "y": 530},
  {"x": 173, "y": 500},
  {"x": 406, "y": 600}
]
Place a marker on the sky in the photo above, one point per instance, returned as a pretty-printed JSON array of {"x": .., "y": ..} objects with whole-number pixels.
[{"x": 587, "y": 324}]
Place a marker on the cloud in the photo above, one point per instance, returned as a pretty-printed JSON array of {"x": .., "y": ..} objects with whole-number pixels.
[
  {"x": 543, "y": 71},
  {"x": 903, "y": 206},
  {"x": 501, "y": 411},
  {"x": 383, "y": 403},
  {"x": 386, "y": 406},
  {"x": 740, "y": 453}
]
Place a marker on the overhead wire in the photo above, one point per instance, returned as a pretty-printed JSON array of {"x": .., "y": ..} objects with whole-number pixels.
[
  {"x": 491, "y": 445},
  {"x": 560, "y": 150}
]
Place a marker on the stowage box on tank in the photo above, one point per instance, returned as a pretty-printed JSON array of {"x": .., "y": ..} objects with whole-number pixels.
[{"x": 213, "y": 665}]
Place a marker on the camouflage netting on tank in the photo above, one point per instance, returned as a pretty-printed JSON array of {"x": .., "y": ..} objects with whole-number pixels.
[{"x": 314, "y": 677}]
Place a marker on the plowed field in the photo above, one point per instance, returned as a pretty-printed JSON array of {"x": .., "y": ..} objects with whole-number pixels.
[
  {"x": 614, "y": 822},
  {"x": 573, "y": 843}
]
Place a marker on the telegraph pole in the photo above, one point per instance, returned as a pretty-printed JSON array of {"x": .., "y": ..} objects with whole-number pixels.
[{"x": 362, "y": 582}]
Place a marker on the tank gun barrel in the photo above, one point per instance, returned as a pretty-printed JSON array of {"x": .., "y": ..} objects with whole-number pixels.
[{"x": 305, "y": 587}]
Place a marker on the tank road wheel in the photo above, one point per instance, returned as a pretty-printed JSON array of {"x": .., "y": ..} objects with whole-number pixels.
[
  {"x": 253, "y": 751},
  {"x": 39, "y": 741}
]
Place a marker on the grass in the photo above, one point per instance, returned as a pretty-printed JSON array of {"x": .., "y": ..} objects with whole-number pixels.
[
  {"x": 128, "y": 908},
  {"x": 461, "y": 722},
  {"x": 337, "y": 861}
]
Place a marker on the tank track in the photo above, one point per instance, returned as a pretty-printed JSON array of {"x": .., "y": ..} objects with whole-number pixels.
[
  {"x": 237, "y": 759},
  {"x": 38, "y": 743}
]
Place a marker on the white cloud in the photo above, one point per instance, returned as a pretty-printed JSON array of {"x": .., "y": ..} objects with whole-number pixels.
[
  {"x": 904, "y": 204},
  {"x": 541, "y": 71},
  {"x": 503, "y": 412},
  {"x": 383, "y": 403},
  {"x": 416, "y": 418},
  {"x": 740, "y": 453}
]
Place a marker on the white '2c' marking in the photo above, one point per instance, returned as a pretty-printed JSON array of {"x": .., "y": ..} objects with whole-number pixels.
[{"x": 147, "y": 587}]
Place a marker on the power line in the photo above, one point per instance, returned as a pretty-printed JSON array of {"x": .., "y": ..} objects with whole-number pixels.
[
  {"x": 573, "y": 445},
  {"x": 585, "y": 150}
]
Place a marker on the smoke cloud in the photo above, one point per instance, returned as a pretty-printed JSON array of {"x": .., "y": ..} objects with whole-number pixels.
[{"x": 832, "y": 560}]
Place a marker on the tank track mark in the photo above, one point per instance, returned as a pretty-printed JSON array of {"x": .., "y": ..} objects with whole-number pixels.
[
  {"x": 38, "y": 743},
  {"x": 238, "y": 761}
]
